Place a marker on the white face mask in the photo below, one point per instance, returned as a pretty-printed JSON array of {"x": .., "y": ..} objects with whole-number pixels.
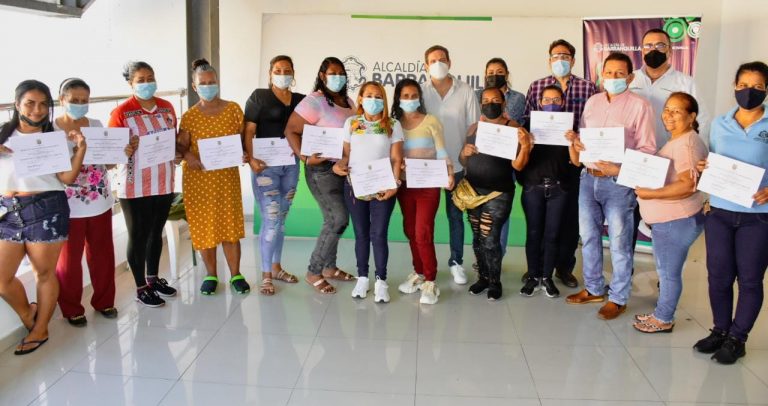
[
  {"x": 282, "y": 81},
  {"x": 438, "y": 70}
]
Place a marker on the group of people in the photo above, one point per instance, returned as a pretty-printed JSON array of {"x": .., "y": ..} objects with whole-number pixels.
[{"x": 52, "y": 218}]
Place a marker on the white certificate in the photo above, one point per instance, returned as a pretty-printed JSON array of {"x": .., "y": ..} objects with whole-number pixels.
[
  {"x": 730, "y": 179},
  {"x": 643, "y": 170},
  {"x": 496, "y": 140},
  {"x": 549, "y": 128},
  {"x": 273, "y": 151},
  {"x": 106, "y": 146},
  {"x": 326, "y": 141},
  {"x": 426, "y": 173},
  {"x": 157, "y": 148},
  {"x": 373, "y": 177},
  {"x": 221, "y": 152},
  {"x": 40, "y": 154},
  {"x": 602, "y": 144}
]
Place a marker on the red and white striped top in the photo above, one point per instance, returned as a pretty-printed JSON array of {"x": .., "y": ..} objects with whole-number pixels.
[{"x": 152, "y": 181}]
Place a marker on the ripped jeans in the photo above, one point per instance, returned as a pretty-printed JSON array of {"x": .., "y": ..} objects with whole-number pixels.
[
  {"x": 274, "y": 189},
  {"x": 486, "y": 221}
]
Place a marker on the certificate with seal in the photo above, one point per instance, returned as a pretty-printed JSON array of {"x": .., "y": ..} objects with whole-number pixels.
[
  {"x": 643, "y": 170},
  {"x": 730, "y": 179},
  {"x": 426, "y": 173},
  {"x": 602, "y": 144},
  {"x": 221, "y": 152},
  {"x": 373, "y": 177},
  {"x": 106, "y": 146},
  {"x": 273, "y": 151},
  {"x": 326, "y": 141},
  {"x": 497, "y": 140},
  {"x": 40, "y": 154},
  {"x": 549, "y": 128},
  {"x": 155, "y": 149}
]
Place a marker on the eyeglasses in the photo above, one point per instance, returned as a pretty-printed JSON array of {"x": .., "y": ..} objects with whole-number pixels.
[
  {"x": 659, "y": 46},
  {"x": 562, "y": 57},
  {"x": 551, "y": 100},
  {"x": 742, "y": 86}
]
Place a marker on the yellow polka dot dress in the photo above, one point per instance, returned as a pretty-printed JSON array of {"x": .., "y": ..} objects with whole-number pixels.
[{"x": 212, "y": 199}]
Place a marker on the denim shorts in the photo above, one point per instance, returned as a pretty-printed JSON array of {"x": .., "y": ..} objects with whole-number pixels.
[{"x": 43, "y": 217}]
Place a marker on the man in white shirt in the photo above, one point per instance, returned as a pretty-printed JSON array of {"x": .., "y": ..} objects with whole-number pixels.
[{"x": 454, "y": 103}]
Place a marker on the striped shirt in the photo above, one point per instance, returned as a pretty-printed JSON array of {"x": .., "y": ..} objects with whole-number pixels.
[
  {"x": 425, "y": 141},
  {"x": 576, "y": 95},
  {"x": 153, "y": 181}
]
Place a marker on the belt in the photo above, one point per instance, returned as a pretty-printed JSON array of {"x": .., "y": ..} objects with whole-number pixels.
[{"x": 596, "y": 173}]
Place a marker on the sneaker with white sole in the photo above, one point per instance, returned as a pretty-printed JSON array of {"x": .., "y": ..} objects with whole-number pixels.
[
  {"x": 380, "y": 291},
  {"x": 429, "y": 293},
  {"x": 412, "y": 284},
  {"x": 361, "y": 288},
  {"x": 459, "y": 276}
]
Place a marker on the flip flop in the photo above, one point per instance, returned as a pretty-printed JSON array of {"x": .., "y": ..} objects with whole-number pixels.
[{"x": 29, "y": 350}]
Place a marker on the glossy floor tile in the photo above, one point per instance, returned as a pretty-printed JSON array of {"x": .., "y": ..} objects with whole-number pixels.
[{"x": 300, "y": 347}]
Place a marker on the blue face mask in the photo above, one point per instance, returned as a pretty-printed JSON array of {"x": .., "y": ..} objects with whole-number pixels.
[
  {"x": 145, "y": 91},
  {"x": 409, "y": 106},
  {"x": 551, "y": 107},
  {"x": 208, "y": 92},
  {"x": 561, "y": 68},
  {"x": 615, "y": 86},
  {"x": 373, "y": 106},
  {"x": 76, "y": 111},
  {"x": 335, "y": 83}
]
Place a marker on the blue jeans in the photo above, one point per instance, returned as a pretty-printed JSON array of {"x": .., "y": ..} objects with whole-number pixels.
[
  {"x": 671, "y": 241},
  {"x": 370, "y": 221},
  {"x": 600, "y": 199},
  {"x": 455, "y": 225},
  {"x": 274, "y": 189}
]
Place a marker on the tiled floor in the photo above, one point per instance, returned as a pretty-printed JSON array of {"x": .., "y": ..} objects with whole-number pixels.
[{"x": 302, "y": 348}]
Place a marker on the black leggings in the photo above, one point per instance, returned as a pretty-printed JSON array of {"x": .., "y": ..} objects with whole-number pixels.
[{"x": 145, "y": 218}]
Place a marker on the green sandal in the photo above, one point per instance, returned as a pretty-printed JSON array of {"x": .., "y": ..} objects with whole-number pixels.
[
  {"x": 239, "y": 284},
  {"x": 209, "y": 285}
]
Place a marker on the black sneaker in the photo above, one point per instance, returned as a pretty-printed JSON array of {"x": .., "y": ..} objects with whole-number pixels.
[
  {"x": 479, "y": 287},
  {"x": 530, "y": 287},
  {"x": 711, "y": 343},
  {"x": 731, "y": 350},
  {"x": 160, "y": 286},
  {"x": 494, "y": 290},
  {"x": 549, "y": 288},
  {"x": 78, "y": 321},
  {"x": 525, "y": 277},
  {"x": 110, "y": 313},
  {"x": 148, "y": 297}
]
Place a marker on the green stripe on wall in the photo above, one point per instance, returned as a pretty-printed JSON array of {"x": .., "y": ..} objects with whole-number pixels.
[{"x": 440, "y": 18}]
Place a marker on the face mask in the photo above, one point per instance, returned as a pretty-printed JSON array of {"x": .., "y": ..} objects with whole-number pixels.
[
  {"x": 491, "y": 110},
  {"x": 208, "y": 92},
  {"x": 615, "y": 86},
  {"x": 654, "y": 59},
  {"x": 335, "y": 83},
  {"x": 438, "y": 70},
  {"x": 76, "y": 111},
  {"x": 551, "y": 107},
  {"x": 497, "y": 81},
  {"x": 409, "y": 106},
  {"x": 561, "y": 68},
  {"x": 33, "y": 123},
  {"x": 750, "y": 98},
  {"x": 145, "y": 91},
  {"x": 373, "y": 106},
  {"x": 282, "y": 81}
]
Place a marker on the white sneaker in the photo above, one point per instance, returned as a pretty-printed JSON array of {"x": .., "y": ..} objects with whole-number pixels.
[
  {"x": 429, "y": 293},
  {"x": 361, "y": 288},
  {"x": 412, "y": 284},
  {"x": 459, "y": 276},
  {"x": 380, "y": 291}
]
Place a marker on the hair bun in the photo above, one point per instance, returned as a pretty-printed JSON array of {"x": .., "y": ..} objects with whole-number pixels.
[{"x": 200, "y": 62}]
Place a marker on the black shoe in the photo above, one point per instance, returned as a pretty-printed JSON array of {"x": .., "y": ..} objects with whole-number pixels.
[
  {"x": 110, "y": 313},
  {"x": 549, "y": 288},
  {"x": 78, "y": 321},
  {"x": 525, "y": 277},
  {"x": 148, "y": 297},
  {"x": 208, "y": 287},
  {"x": 567, "y": 278},
  {"x": 494, "y": 290},
  {"x": 239, "y": 284},
  {"x": 479, "y": 287},
  {"x": 731, "y": 350},
  {"x": 711, "y": 343},
  {"x": 530, "y": 287},
  {"x": 160, "y": 286}
]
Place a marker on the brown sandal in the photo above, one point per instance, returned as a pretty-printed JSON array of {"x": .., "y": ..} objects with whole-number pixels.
[
  {"x": 322, "y": 286},
  {"x": 339, "y": 275},
  {"x": 653, "y": 325},
  {"x": 267, "y": 288},
  {"x": 284, "y": 276}
]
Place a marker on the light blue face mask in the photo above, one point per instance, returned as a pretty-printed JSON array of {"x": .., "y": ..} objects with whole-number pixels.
[
  {"x": 615, "y": 86},
  {"x": 409, "y": 106},
  {"x": 561, "y": 68},
  {"x": 76, "y": 111},
  {"x": 145, "y": 91},
  {"x": 373, "y": 106},
  {"x": 207, "y": 92},
  {"x": 335, "y": 83}
]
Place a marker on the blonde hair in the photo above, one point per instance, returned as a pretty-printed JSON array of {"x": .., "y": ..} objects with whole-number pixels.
[{"x": 385, "y": 121}]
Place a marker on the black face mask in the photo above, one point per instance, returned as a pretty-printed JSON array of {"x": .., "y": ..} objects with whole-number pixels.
[
  {"x": 33, "y": 123},
  {"x": 654, "y": 59},
  {"x": 491, "y": 110},
  {"x": 497, "y": 81},
  {"x": 750, "y": 98}
]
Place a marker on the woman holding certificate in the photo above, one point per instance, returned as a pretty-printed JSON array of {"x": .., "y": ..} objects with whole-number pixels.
[
  {"x": 423, "y": 141},
  {"x": 327, "y": 107},
  {"x": 274, "y": 185},
  {"x": 673, "y": 211},
  {"x": 492, "y": 178},
  {"x": 371, "y": 136},
  {"x": 736, "y": 235},
  {"x": 34, "y": 215},
  {"x": 145, "y": 192},
  {"x": 212, "y": 198}
]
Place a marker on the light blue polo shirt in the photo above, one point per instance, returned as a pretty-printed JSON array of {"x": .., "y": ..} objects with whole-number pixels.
[{"x": 748, "y": 145}]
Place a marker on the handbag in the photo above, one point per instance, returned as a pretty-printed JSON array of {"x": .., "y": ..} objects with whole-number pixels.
[{"x": 465, "y": 197}]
